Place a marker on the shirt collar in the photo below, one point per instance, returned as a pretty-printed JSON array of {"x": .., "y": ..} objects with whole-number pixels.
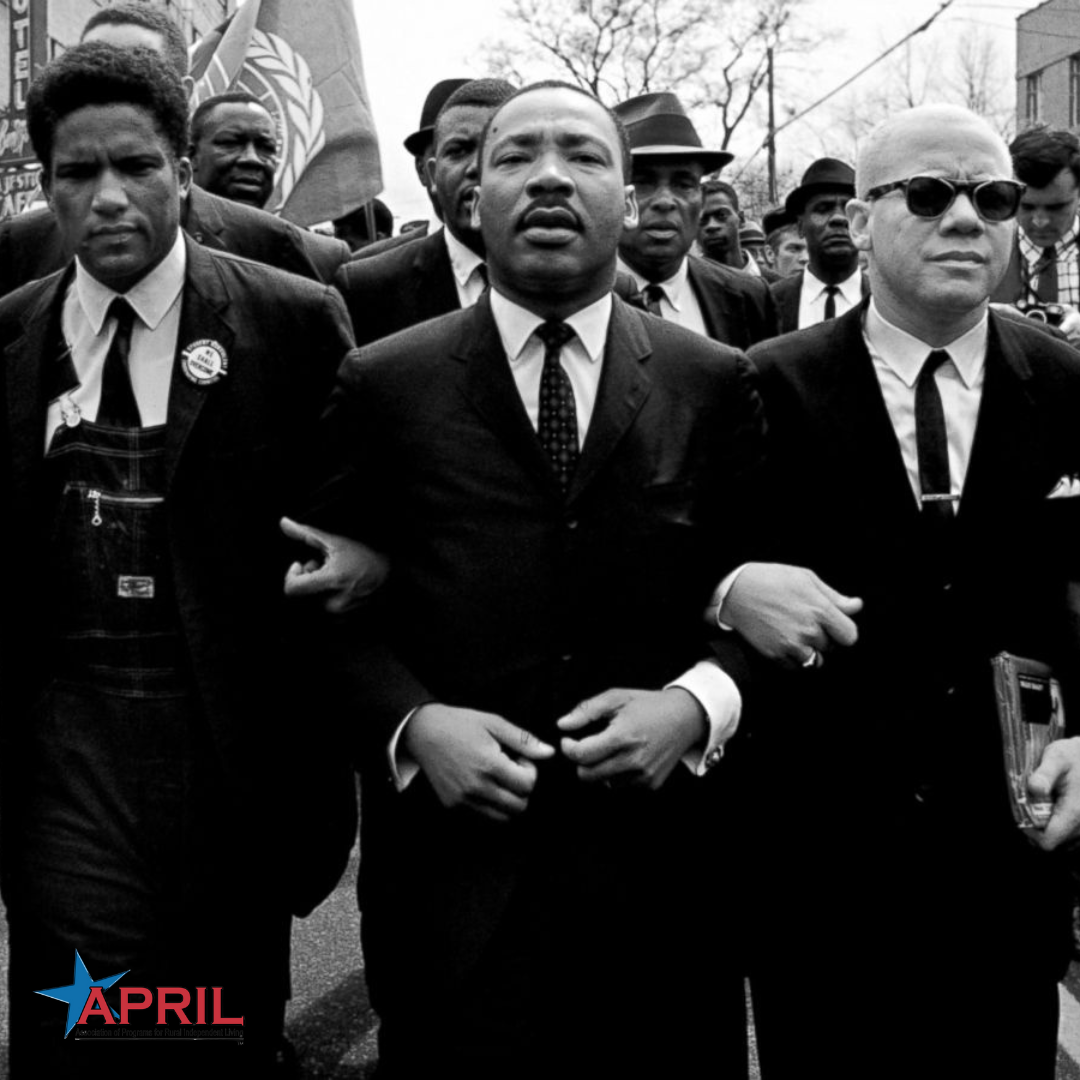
[
  {"x": 517, "y": 324},
  {"x": 1032, "y": 252},
  {"x": 905, "y": 354},
  {"x": 674, "y": 288},
  {"x": 463, "y": 260},
  {"x": 850, "y": 288},
  {"x": 151, "y": 296}
]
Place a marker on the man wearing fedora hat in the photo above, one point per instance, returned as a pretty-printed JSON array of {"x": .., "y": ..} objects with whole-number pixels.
[
  {"x": 833, "y": 282},
  {"x": 669, "y": 163},
  {"x": 445, "y": 271}
]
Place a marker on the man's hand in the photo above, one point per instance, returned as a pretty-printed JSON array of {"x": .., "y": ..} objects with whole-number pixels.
[
  {"x": 1058, "y": 778},
  {"x": 475, "y": 759},
  {"x": 1070, "y": 324},
  {"x": 648, "y": 732},
  {"x": 787, "y": 612},
  {"x": 344, "y": 574}
]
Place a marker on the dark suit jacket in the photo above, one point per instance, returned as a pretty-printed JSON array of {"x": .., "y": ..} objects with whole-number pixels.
[
  {"x": 786, "y": 293},
  {"x": 895, "y": 741},
  {"x": 506, "y": 598},
  {"x": 31, "y": 248},
  {"x": 234, "y": 453},
  {"x": 738, "y": 309},
  {"x": 408, "y": 284}
]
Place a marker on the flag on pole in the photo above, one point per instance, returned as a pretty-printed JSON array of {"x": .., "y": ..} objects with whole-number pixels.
[{"x": 303, "y": 62}]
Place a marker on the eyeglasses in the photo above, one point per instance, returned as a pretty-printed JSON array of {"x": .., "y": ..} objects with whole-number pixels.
[{"x": 931, "y": 196}]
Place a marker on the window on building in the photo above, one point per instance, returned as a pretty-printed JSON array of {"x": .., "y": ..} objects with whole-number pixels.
[
  {"x": 1074, "y": 91},
  {"x": 1033, "y": 97}
]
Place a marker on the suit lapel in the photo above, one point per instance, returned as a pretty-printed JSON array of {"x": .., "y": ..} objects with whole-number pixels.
[
  {"x": 1009, "y": 447},
  {"x": 624, "y": 386},
  {"x": 849, "y": 398},
  {"x": 436, "y": 293},
  {"x": 489, "y": 386},
  {"x": 203, "y": 317},
  {"x": 28, "y": 379},
  {"x": 714, "y": 303}
]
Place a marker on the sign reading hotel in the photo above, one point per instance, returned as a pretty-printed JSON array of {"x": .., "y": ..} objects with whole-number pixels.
[{"x": 27, "y": 54}]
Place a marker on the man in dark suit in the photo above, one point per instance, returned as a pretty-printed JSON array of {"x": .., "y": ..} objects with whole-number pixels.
[
  {"x": 444, "y": 271},
  {"x": 550, "y": 472},
  {"x": 924, "y": 461},
  {"x": 669, "y": 163},
  {"x": 31, "y": 246},
  {"x": 157, "y": 401},
  {"x": 832, "y": 282}
]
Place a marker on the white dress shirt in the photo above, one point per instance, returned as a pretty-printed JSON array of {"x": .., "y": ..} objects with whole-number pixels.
[
  {"x": 679, "y": 303},
  {"x": 87, "y": 332},
  {"x": 898, "y": 358},
  {"x": 468, "y": 270},
  {"x": 815, "y": 292},
  {"x": 582, "y": 360}
]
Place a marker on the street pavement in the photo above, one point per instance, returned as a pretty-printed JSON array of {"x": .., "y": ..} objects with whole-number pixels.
[{"x": 333, "y": 1028}]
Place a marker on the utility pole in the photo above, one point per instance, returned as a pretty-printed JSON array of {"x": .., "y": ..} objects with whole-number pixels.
[{"x": 772, "y": 130}]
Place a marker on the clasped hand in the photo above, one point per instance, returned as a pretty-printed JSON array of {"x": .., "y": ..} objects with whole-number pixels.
[{"x": 482, "y": 761}]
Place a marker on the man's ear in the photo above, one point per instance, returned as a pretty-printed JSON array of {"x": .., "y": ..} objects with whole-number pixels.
[
  {"x": 630, "y": 212},
  {"x": 858, "y": 215},
  {"x": 183, "y": 176},
  {"x": 429, "y": 169},
  {"x": 474, "y": 214},
  {"x": 46, "y": 186}
]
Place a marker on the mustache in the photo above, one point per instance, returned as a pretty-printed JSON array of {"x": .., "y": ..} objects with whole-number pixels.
[{"x": 548, "y": 213}]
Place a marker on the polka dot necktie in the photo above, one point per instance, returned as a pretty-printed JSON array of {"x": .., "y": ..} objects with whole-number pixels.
[{"x": 557, "y": 427}]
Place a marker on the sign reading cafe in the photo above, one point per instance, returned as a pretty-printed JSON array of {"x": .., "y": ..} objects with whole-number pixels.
[{"x": 27, "y": 47}]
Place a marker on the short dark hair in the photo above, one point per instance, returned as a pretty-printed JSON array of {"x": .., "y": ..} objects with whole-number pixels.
[
  {"x": 480, "y": 93},
  {"x": 720, "y": 187},
  {"x": 242, "y": 97},
  {"x": 1041, "y": 152},
  {"x": 558, "y": 84},
  {"x": 151, "y": 18},
  {"x": 94, "y": 73}
]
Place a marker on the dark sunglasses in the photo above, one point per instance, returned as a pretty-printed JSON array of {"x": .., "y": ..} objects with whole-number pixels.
[{"x": 931, "y": 196}]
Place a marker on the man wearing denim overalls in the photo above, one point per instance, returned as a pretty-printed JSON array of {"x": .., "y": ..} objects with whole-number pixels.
[{"x": 155, "y": 404}]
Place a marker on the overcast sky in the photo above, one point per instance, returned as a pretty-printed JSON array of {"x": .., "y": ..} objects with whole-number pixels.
[{"x": 408, "y": 45}]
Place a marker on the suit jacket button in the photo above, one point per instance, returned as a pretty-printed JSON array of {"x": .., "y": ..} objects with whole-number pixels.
[
  {"x": 572, "y": 523},
  {"x": 713, "y": 757},
  {"x": 197, "y": 237}
]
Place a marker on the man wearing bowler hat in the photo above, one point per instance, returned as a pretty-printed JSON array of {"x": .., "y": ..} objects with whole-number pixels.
[
  {"x": 832, "y": 283},
  {"x": 420, "y": 144},
  {"x": 669, "y": 163},
  {"x": 445, "y": 271}
]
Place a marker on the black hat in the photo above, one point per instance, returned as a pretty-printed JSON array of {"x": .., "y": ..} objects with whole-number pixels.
[
  {"x": 435, "y": 100},
  {"x": 825, "y": 174},
  {"x": 657, "y": 125},
  {"x": 775, "y": 219},
  {"x": 751, "y": 233}
]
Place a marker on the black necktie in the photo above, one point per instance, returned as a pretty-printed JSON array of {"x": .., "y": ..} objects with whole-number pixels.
[
  {"x": 932, "y": 442},
  {"x": 1046, "y": 289},
  {"x": 557, "y": 426},
  {"x": 653, "y": 295},
  {"x": 830, "y": 301},
  {"x": 482, "y": 274},
  {"x": 118, "y": 406}
]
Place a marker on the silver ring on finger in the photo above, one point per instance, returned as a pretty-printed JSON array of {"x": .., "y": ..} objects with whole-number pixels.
[{"x": 814, "y": 660}]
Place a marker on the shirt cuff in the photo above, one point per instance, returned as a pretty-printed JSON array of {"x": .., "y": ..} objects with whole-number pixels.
[
  {"x": 716, "y": 601},
  {"x": 404, "y": 771},
  {"x": 719, "y": 697}
]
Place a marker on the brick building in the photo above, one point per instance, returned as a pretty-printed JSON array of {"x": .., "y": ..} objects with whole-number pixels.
[{"x": 1048, "y": 65}]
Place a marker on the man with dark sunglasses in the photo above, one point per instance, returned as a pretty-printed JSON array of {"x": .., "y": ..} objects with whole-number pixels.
[
  {"x": 923, "y": 459},
  {"x": 1043, "y": 278}
]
